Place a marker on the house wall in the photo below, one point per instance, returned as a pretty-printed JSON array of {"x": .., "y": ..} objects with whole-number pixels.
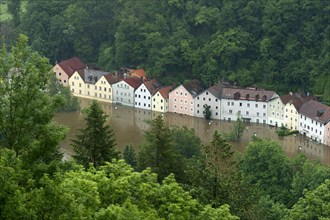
[
  {"x": 290, "y": 117},
  {"x": 249, "y": 109},
  {"x": 123, "y": 93},
  {"x": 181, "y": 101},
  {"x": 77, "y": 85},
  {"x": 159, "y": 104},
  {"x": 61, "y": 76},
  {"x": 103, "y": 90},
  {"x": 142, "y": 98},
  {"x": 275, "y": 112},
  {"x": 311, "y": 128},
  {"x": 209, "y": 99},
  {"x": 327, "y": 134}
]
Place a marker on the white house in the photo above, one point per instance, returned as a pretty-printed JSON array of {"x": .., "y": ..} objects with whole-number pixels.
[
  {"x": 314, "y": 121},
  {"x": 210, "y": 97},
  {"x": 123, "y": 91},
  {"x": 276, "y": 112},
  {"x": 251, "y": 104},
  {"x": 143, "y": 94}
]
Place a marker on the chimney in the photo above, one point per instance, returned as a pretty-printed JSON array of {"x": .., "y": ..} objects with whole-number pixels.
[{"x": 319, "y": 113}]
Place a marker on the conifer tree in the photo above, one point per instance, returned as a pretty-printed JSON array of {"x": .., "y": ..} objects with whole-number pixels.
[
  {"x": 130, "y": 155},
  {"x": 95, "y": 143}
]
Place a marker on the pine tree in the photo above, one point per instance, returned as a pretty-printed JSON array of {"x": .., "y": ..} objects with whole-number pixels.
[
  {"x": 95, "y": 143},
  {"x": 130, "y": 155},
  {"x": 159, "y": 152}
]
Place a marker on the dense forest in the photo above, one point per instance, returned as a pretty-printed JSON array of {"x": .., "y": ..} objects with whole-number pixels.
[
  {"x": 282, "y": 45},
  {"x": 172, "y": 176}
]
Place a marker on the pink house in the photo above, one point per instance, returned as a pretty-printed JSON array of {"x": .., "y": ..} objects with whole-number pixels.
[
  {"x": 65, "y": 69},
  {"x": 182, "y": 98}
]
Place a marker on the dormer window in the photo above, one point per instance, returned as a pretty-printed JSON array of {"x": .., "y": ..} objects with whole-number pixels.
[
  {"x": 247, "y": 96},
  {"x": 257, "y": 97}
]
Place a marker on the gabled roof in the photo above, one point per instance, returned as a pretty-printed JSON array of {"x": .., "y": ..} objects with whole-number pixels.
[
  {"x": 90, "y": 75},
  {"x": 165, "y": 91},
  {"x": 112, "y": 79},
  {"x": 297, "y": 99},
  {"x": 152, "y": 85},
  {"x": 138, "y": 73},
  {"x": 216, "y": 90},
  {"x": 248, "y": 94},
  {"x": 135, "y": 82},
  {"x": 193, "y": 87},
  {"x": 316, "y": 111},
  {"x": 71, "y": 65}
]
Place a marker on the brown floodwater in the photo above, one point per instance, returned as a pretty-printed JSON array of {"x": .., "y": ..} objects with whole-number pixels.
[{"x": 129, "y": 125}]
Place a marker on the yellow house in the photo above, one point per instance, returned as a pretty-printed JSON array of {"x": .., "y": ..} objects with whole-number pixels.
[
  {"x": 77, "y": 84},
  {"x": 160, "y": 100},
  {"x": 293, "y": 103},
  {"x": 103, "y": 88},
  {"x": 83, "y": 83}
]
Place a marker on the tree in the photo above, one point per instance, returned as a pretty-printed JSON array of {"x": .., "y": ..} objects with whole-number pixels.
[
  {"x": 14, "y": 8},
  {"x": 314, "y": 205},
  {"x": 238, "y": 129},
  {"x": 207, "y": 112},
  {"x": 186, "y": 142},
  {"x": 26, "y": 109},
  {"x": 265, "y": 165},
  {"x": 95, "y": 143},
  {"x": 158, "y": 152},
  {"x": 130, "y": 155}
]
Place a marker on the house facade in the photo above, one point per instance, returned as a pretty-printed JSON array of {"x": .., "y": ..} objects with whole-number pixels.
[
  {"x": 160, "y": 100},
  {"x": 123, "y": 91},
  {"x": 104, "y": 87},
  {"x": 275, "y": 112},
  {"x": 77, "y": 84},
  {"x": 143, "y": 94},
  {"x": 65, "y": 69},
  {"x": 182, "y": 98},
  {"x": 211, "y": 98},
  {"x": 250, "y": 104},
  {"x": 314, "y": 119}
]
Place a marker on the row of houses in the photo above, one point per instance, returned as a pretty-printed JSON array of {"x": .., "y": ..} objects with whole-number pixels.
[{"x": 295, "y": 111}]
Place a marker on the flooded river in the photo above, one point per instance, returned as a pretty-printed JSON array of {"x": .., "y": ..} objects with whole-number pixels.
[{"x": 129, "y": 125}]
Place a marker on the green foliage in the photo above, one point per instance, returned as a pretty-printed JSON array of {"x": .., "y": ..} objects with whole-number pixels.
[
  {"x": 26, "y": 109},
  {"x": 278, "y": 45},
  {"x": 112, "y": 191},
  {"x": 186, "y": 142},
  {"x": 314, "y": 205},
  {"x": 14, "y": 8},
  {"x": 70, "y": 102},
  {"x": 238, "y": 129},
  {"x": 207, "y": 112},
  {"x": 265, "y": 165},
  {"x": 95, "y": 144},
  {"x": 130, "y": 155},
  {"x": 158, "y": 151}
]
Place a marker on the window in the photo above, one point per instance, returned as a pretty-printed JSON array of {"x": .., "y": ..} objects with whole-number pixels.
[
  {"x": 228, "y": 103},
  {"x": 197, "y": 98},
  {"x": 232, "y": 103},
  {"x": 161, "y": 100},
  {"x": 64, "y": 81},
  {"x": 248, "y": 104},
  {"x": 60, "y": 80},
  {"x": 100, "y": 88},
  {"x": 161, "y": 107},
  {"x": 135, "y": 95},
  {"x": 264, "y": 114},
  {"x": 256, "y": 105},
  {"x": 72, "y": 83},
  {"x": 258, "y": 113},
  {"x": 216, "y": 100},
  {"x": 264, "y": 106},
  {"x": 240, "y": 104},
  {"x": 230, "y": 111},
  {"x": 204, "y": 98},
  {"x": 207, "y": 93},
  {"x": 216, "y": 113},
  {"x": 59, "y": 73},
  {"x": 154, "y": 106},
  {"x": 197, "y": 111},
  {"x": 247, "y": 113},
  {"x": 216, "y": 107},
  {"x": 197, "y": 105},
  {"x": 209, "y": 99},
  {"x": 185, "y": 94}
]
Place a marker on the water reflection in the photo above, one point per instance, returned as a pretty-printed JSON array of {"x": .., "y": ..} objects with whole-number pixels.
[{"x": 130, "y": 123}]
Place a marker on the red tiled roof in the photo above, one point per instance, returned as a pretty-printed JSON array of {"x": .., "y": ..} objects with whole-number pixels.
[
  {"x": 152, "y": 85},
  {"x": 135, "y": 82},
  {"x": 71, "y": 65},
  {"x": 165, "y": 91},
  {"x": 111, "y": 78},
  {"x": 316, "y": 111},
  {"x": 138, "y": 73}
]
